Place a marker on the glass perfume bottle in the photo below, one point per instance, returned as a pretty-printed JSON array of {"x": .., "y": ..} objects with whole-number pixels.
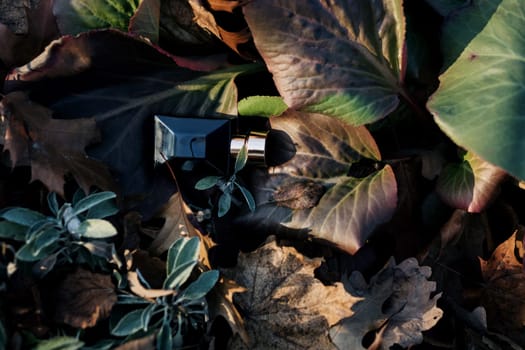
[{"x": 217, "y": 141}]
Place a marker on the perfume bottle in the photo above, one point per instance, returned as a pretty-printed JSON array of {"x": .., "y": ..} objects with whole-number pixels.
[{"x": 217, "y": 141}]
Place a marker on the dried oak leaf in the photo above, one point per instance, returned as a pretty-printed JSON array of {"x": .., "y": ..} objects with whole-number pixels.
[
  {"x": 286, "y": 307},
  {"x": 397, "y": 303},
  {"x": 84, "y": 298},
  {"x": 503, "y": 294},
  {"x": 52, "y": 147}
]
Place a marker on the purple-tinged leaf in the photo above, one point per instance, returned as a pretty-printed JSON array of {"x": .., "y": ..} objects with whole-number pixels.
[
  {"x": 146, "y": 20},
  {"x": 333, "y": 206},
  {"x": 344, "y": 59},
  {"x": 470, "y": 185},
  {"x": 122, "y": 89}
]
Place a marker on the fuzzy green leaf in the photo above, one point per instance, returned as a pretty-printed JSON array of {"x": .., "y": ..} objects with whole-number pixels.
[
  {"x": 199, "y": 288},
  {"x": 241, "y": 159},
  {"x": 262, "y": 106},
  {"x": 207, "y": 182},
  {"x": 225, "y": 202},
  {"x": 183, "y": 250},
  {"x": 91, "y": 201},
  {"x": 22, "y": 216},
  {"x": 480, "y": 101},
  {"x": 340, "y": 58},
  {"x": 130, "y": 323},
  {"x": 179, "y": 275},
  {"x": 96, "y": 228},
  {"x": 10, "y": 230}
]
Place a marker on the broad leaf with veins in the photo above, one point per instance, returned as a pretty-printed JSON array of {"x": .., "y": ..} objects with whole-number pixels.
[
  {"x": 479, "y": 103},
  {"x": 470, "y": 185},
  {"x": 340, "y": 58},
  {"x": 122, "y": 89},
  {"x": 314, "y": 191}
]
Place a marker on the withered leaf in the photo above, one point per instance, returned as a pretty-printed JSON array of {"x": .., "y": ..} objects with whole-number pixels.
[
  {"x": 84, "y": 298},
  {"x": 397, "y": 304},
  {"x": 286, "y": 306},
  {"x": 52, "y": 147},
  {"x": 299, "y": 194},
  {"x": 503, "y": 293}
]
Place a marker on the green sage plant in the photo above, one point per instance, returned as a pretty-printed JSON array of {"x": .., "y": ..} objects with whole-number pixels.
[
  {"x": 74, "y": 232},
  {"x": 175, "y": 310},
  {"x": 227, "y": 185}
]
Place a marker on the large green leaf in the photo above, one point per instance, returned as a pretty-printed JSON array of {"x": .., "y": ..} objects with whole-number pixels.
[
  {"x": 340, "y": 58},
  {"x": 480, "y": 102},
  {"x": 76, "y": 16},
  {"x": 314, "y": 190}
]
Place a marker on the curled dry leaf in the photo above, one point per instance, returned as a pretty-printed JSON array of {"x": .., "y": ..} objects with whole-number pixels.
[
  {"x": 84, "y": 298},
  {"x": 286, "y": 306},
  {"x": 503, "y": 293},
  {"x": 397, "y": 304},
  {"x": 138, "y": 289},
  {"x": 52, "y": 147}
]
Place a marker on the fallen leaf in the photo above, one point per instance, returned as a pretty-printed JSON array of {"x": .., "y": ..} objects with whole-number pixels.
[
  {"x": 52, "y": 147},
  {"x": 138, "y": 289},
  {"x": 286, "y": 307},
  {"x": 84, "y": 298},
  {"x": 503, "y": 293},
  {"x": 397, "y": 298},
  {"x": 17, "y": 49},
  {"x": 314, "y": 190},
  {"x": 344, "y": 59}
]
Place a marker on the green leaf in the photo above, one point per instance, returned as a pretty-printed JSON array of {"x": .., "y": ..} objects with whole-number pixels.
[
  {"x": 199, "y": 288},
  {"x": 164, "y": 337},
  {"x": 96, "y": 228},
  {"x": 241, "y": 159},
  {"x": 179, "y": 275},
  {"x": 247, "y": 196},
  {"x": 340, "y": 58},
  {"x": 446, "y": 7},
  {"x": 30, "y": 252},
  {"x": 46, "y": 239},
  {"x": 480, "y": 101},
  {"x": 262, "y": 106},
  {"x": 130, "y": 323},
  {"x": 10, "y": 230},
  {"x": 470, "y": 185},
  {"x": 102, "y": 210},
  {"x": 146, "y": 315},
  {"x": 225, "y": 202},
  {"x": 92, "y": 201},
  {"x": 76, "y": 16},
  {"x": 22, "y": 216},
  {"x": 207, "y": 182},
  {"x": 60, "y": 343},
  {"x": 52, "y": 202},
  {"x": 182, "y": 251}
]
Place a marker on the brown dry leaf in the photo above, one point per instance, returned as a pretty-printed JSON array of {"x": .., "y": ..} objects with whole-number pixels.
[
  {"x": 286, "y": 306},
  {"x": 84, "y": 298},
  {"x": 177, "y": 225},
  {"x": 220, "y": 303},
  {"x": 503, "y": 295},
  {"x": 396, "y": 304},
  {"x": 138, "y": 289},
  {"x": 52, "y": 147}
]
